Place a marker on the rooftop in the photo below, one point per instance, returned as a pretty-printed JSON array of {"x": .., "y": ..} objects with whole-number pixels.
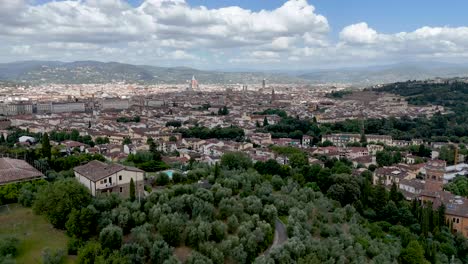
[
  {"x": 12, "y": 170},
  {"x": 97, "y": 170}
]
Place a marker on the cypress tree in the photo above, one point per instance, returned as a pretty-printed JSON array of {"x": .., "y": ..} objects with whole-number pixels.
[
  {"x": 216, "y": 171},
  {"x": 265, "y": 121},
  {"x": 132, "y": 190},
  {"x": 46, "y": 148}
]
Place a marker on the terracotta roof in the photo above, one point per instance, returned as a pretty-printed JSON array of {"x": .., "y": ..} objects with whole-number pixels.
[
  {"x": 97, "y": 170},
  {"x": 12, "y": 170}
]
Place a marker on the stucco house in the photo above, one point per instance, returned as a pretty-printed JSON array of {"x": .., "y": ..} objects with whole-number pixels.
[{"x": 100, "y": 178}]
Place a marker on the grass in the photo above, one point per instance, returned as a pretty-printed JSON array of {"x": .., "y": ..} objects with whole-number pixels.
[
  {"x": 34, "y": 232},
  {"x": 284, "y": 219}
]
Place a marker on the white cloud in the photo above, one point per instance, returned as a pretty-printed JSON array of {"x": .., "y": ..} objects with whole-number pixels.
[
  {"x": 171, "y": 32},
  {"x": 359, "y": 34}
]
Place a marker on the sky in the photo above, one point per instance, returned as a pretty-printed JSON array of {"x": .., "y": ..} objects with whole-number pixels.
[{"x": 237, "y": 34}]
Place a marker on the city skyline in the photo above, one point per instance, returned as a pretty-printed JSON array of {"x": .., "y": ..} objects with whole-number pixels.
[{"x": 294, "y": 34}]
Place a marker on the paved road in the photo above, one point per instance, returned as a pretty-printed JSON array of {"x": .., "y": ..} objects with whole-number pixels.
[{"x": 280, "y": 236}]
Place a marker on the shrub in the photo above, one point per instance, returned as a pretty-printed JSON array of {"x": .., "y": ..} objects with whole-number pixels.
[
  {"x": 9, "y": 246},
  {"x": 50, "y": 256}
]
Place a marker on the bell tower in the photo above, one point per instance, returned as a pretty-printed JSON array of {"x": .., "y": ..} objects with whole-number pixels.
[{"x": 435, "y": 170}]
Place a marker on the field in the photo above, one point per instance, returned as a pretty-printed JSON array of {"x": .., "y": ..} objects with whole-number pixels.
[{"x": 34, "y": 232}]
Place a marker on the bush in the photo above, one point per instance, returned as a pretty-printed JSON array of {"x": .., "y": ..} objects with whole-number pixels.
[
  {"x": 89, "y": 253},
  {"x": 177, "y": 177},
  {"x": 50, "y": 256},
  {"x": 111, "y": 237},
  {"x": 57, "y": 200},
  {"x": 73, "y": 245},
  {"x": 9, "y": 246},
  {"x": 162, "y": 179},
  {"x": 236, "y": 160}
]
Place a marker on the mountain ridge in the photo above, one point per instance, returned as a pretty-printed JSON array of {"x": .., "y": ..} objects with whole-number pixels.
[{"x": 90, "y": 71}]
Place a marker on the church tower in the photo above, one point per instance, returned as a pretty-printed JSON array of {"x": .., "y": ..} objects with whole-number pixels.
[{"x": 435, "y": 170}]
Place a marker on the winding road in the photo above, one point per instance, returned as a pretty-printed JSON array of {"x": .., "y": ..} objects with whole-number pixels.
[{"x": 280, "y": 236}]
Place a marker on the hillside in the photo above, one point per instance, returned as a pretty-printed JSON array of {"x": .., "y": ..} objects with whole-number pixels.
[{"x": 101, "y": 72}]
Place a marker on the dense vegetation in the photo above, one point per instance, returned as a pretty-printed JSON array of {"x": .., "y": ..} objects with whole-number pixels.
[
  {"x": 272, "y": 111},
  {"x": 125, "y": 119},
  {"x": 452, "y": 95},
  {"x": 330, "y": 217},
  {"x": 232, "y": 132},
  {"x": 292, "y": 127}
]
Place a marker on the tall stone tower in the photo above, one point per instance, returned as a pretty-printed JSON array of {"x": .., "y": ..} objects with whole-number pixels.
[{"x": 435, "y": 170}]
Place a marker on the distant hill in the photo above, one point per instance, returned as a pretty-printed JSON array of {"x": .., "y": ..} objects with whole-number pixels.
[
  {"x": 104, "y": 72},
  {"x": 388, "y": 73}
]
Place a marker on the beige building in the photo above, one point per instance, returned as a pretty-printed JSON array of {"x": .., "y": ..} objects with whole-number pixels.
[{"x": 100, "y": 178}]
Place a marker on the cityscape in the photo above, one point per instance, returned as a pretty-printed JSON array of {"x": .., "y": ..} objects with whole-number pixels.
[{"x": 183, "y": 131}]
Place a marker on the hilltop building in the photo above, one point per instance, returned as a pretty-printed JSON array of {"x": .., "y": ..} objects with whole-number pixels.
[{"x": 101, "y": 178}]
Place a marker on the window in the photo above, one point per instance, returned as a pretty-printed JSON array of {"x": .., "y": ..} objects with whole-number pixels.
[
  {"x": 120, "y": 177},
  {"x": 120, "y": 189},
  {"x": 453, "y": 220},
  {"x": 101, "y": 182},
  {"x": 105, "y": 180},
  {"x": 458, "y": 220}
]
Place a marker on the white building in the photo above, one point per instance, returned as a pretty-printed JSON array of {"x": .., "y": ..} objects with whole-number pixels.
[{"x": 101, "y": 178}]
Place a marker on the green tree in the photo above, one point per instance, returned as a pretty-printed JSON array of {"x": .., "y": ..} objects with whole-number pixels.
[
  {"x": 50, "y": 256},
  {"x": 132, "y": 190},
  {"x": 126, "y": 141},
  {"x": 236, "y": 160},
  {"x": 171, "y": 227},
  {"x": 412, "y": 254},
  {"x": 216, "y": 172},
  {"x": 57, "y": 200},
  {"x": 89, "y": 253},
  {"x": 265, "y": 121},
  {"x": 162, "y": 179},
  {"x": 298, "y": 160},
  {"x": 9, "y": 246},
  {"x": 81, "y": 223},
  {"x": 46, "y": 147},
  {"x": 160, "y": 251},
  {"x": 111, "y": 237}
]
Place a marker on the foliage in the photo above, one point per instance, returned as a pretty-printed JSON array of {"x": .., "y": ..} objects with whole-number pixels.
[
  {"x": 46, "y": 147},
  {"x": 223, "y": 111},
  {"x": 174, "y": 123},
  {"x": 50, "y": 256},
  {"x": 111, "y": 237},
  {"x": 22, "y": 192},
  {"x": 9, "y": 246},
  {"x": 132, "y": 190},
  {"x": 125, "y": 119},
  {"x": 458, "y": 186},
  {"x": 57, "y": 200},
  {"x": 81, "y": 223},
  {"x": 279, "y": 112},
  {"x": 232, "y": 132},
  {"x": 236, "y": 160}
]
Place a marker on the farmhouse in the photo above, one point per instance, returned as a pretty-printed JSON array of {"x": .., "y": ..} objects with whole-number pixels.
[{"x": 100, "y": 178}]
